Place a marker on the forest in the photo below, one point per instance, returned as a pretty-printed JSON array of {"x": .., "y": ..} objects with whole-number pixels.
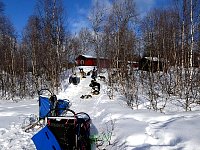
[{"x": 118, "y": 33}]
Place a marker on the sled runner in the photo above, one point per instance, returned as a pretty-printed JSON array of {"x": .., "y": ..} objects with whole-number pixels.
[{"x": 68, "y": 132}]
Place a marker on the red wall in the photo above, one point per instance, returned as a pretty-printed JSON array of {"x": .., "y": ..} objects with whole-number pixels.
[{"x": 91, "y": 62}]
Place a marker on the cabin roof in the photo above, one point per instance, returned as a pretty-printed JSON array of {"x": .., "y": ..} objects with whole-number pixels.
[
  {"x": 153, "y": 58},
  {"x": 88, "y": 56}
]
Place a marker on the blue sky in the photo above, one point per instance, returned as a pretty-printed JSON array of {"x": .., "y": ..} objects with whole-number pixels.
[
  {"x": 77, "y": 10},
  {"x": 19, "y": 10}
]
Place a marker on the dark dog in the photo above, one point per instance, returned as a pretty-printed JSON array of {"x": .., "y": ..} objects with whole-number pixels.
[
  {"x": 94, "y": 73},
  {"x": 86, "y": 96},
  {"x": 88, "y": 73},
  {"x": 102, "y": 78},
  {"x": 74, "y": 79},
  {"x": 95, "y": 84},
  {"x": 95, "y": 87}
]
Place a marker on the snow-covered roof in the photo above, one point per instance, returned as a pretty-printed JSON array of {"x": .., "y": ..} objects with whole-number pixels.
[
  {"x": 88, "y": 56},
  {"x": 153, "y": 58}
]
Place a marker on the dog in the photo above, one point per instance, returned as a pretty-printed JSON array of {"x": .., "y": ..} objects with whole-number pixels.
[
  {"x": 102, "y": 78},
  {"x": 83, "y": 74},
  {"x": 94, "y": 73},
  {"x": 74, "y": 79},
  {"x": 88, "y": 73},
  {"x": 95, "y": 92},
  {"x": 86, "y": 96},
  {"x": 95, "y": 85}
]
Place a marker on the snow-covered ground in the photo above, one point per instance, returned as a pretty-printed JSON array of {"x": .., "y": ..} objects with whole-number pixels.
[{"x": 120, "y": 127}]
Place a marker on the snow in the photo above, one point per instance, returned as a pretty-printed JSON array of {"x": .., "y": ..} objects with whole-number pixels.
[
  {"x": 88, "y": 56},
  {"x": 118, "y": 126}
]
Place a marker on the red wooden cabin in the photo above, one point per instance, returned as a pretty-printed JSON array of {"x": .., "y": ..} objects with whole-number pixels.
[{"x": 85, "y": 60}]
